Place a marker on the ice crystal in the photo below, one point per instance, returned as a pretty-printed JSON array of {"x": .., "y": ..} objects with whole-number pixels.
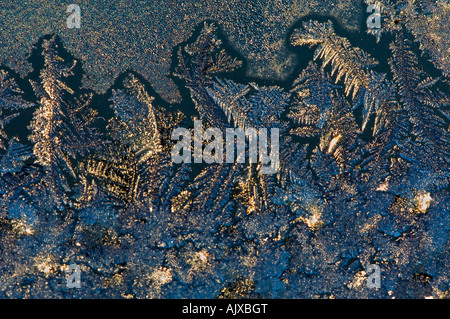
[
  {"x": 60, "y": 129},
  {"x": 421, "y": 18},
  {"x": 11, "y": 103},
  {"x": 363, "y": 177},
  {"x": 135, "y": 123}
]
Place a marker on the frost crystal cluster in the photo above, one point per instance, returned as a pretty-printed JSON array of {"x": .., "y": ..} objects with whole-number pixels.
[{"x": 363, "y": 176}]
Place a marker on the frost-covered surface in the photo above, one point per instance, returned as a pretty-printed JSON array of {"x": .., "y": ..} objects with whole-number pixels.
[
  {"x": 363, "y": 179},
  {"x": 425, "y": 19},
  {"x": 141, "y": 35}
]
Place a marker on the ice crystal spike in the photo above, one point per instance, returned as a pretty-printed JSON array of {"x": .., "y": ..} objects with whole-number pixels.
[
  {"x": 116, "y": 170},
  {"x": 230, "y": 97},
  {"x": 60, "y": 130},
  {"x": 212, "y": 188},
  {"x": 366, "y": 87},
  {"x": 341, "y": 134},
  {"x": 196, "y": 62},
  {"x": 10, "y": 93},
  {"x": 347, "y": 62},
  {"x": 19, "y": 186},
  {"x": 11, "y": 102},
  {"x": 4, "y": 120},
  {"x": 312, "y": 103},
  {"x": 135, "y": 122},
  {"x": 15, "y": 157},
  {"x": 298, "y": 190},
  {"x": 420, "y": 19},
  {"x": 208, "y": 53},
  {"x": 249, "y": 105},
  {"x": 430, "y": 141},
  {"x": 145, "y": 129}
]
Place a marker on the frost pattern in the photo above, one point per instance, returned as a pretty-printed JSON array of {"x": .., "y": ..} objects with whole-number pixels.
[{"x": 363, "y": 178}]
